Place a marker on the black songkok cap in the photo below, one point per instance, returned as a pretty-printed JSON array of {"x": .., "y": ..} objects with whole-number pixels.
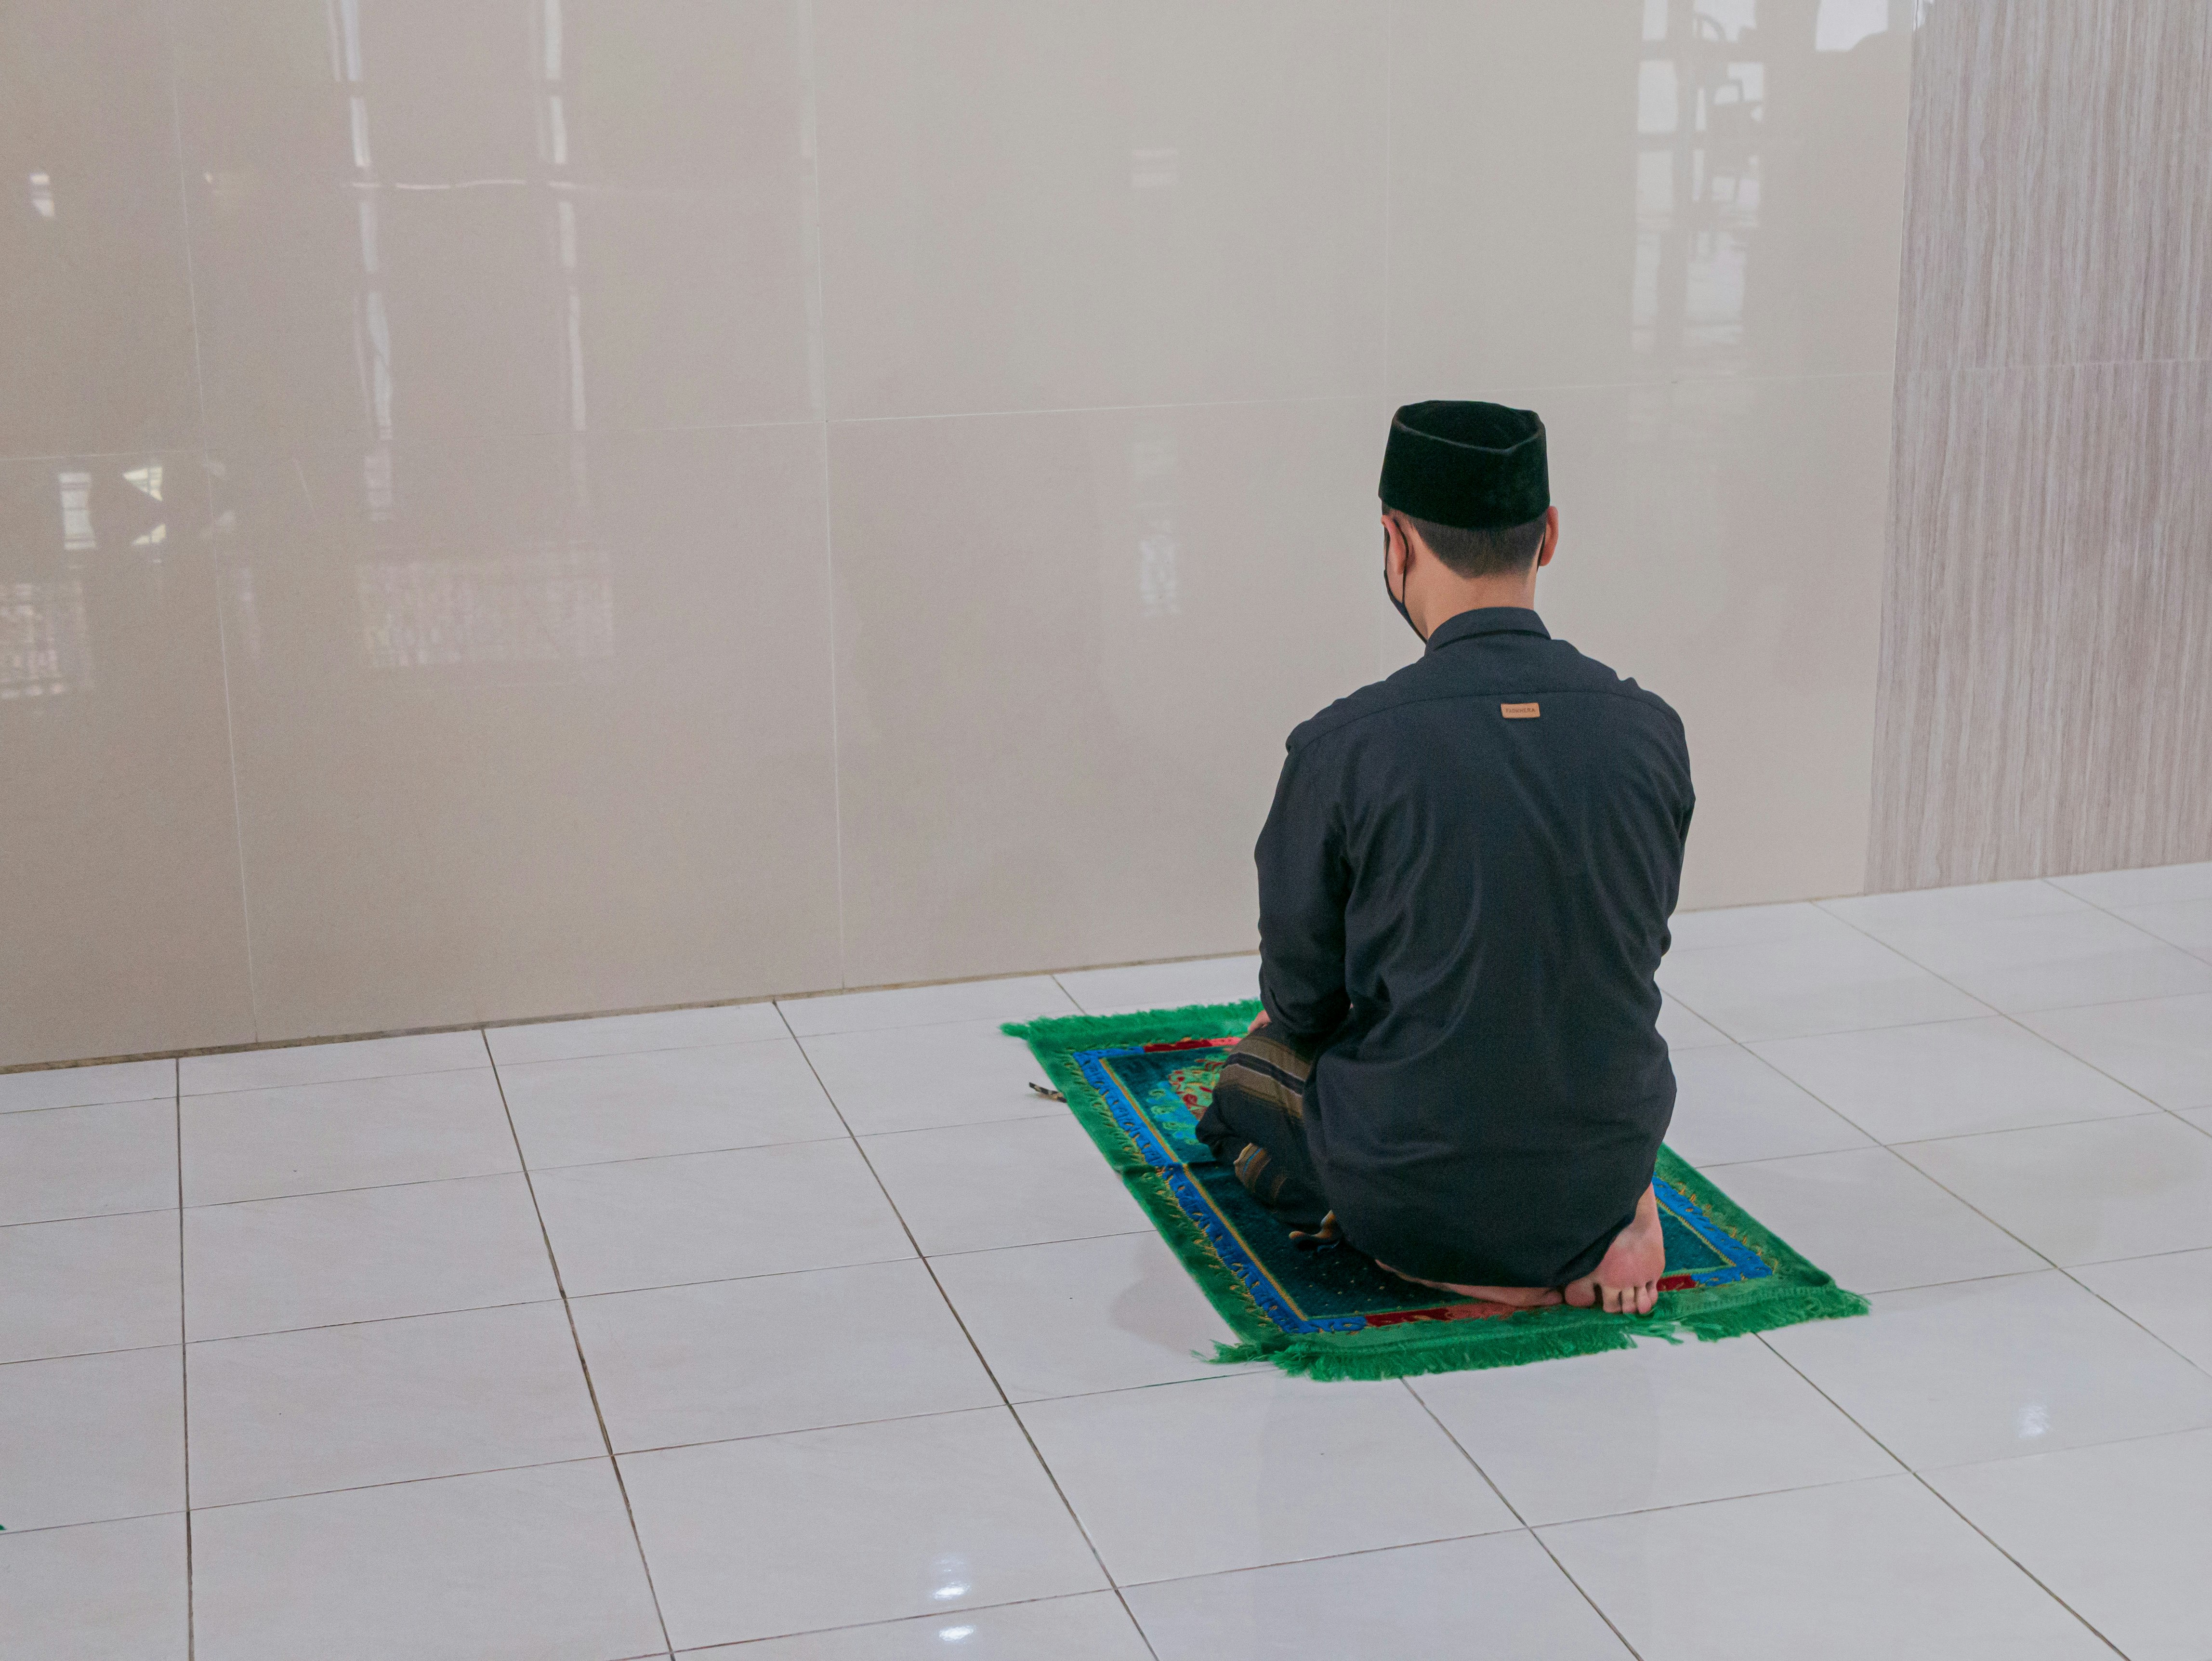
[{"x": 1474, "y": 466}]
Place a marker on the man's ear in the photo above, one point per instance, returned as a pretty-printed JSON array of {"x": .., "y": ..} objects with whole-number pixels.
[
  {"x": 1401, "y": 537},
  {"x": 1551, "y": 542}
]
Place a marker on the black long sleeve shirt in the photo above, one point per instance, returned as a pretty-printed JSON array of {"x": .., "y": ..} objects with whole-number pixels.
[{"x": 1464, "y": 888}]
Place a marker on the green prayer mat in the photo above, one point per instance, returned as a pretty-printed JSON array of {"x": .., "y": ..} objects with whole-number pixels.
[{"x": 1138, "y": 1083}]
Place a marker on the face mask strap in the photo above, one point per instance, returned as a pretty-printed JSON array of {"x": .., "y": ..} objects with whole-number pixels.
[{"x": 1394, "y": 599}]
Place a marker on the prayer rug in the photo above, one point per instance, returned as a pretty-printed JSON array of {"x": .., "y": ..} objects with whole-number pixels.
[{"x": 1136, "y": 1084}]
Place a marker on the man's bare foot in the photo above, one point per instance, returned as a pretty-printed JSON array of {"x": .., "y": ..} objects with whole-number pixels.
[
  {"x": 1626, "y": 1279},
  {"x": 1519, "y": 1297}
]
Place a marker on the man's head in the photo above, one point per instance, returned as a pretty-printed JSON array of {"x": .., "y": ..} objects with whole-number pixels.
[{"x": 1467, "y": 509}]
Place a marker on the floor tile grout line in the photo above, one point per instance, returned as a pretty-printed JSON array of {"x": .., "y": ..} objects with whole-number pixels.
[
  {"x": 522, "y": 1303},
  {"x": 2151, "y": 1113},
  {"x": 440, "y": 1072},
  {"x": 1894, "y": 1148},
  {"x": 806, "y": 1039},
  {"x": 16, "y": 1532},
  {"x": 2153, "y": 1109},
  {"x": 94, "y": 1217},
  {"x": 1836, "y": 1032},
  {"x": 583, "y": 1362},
  {"x": 982, "y": 1360},
  {"x": 1310, "y": 1558},
  {"x": 1514, "y": 1511},
  {"x": 1814, "y": 1487},
  {"x": 688, "y": 1153},
  {"x": 2043, "y": 1257},
  {"x": 727, "y": 1279},
  {"x": 9, "y": 1116},
  {"x": 361, "y": 1321},
  {"x": 1031, "y": 1245},
  {"x": 2149, "y": 1107},
  {"x": 1940, "y": 1499},
  {"x": 399, "y": 1482},
  {"x": 323, "y": 1084},
  {"x": 1519, "y": 1525},
  {"x": 80, "y": 1355},
  {"x": 1328, "y": 1556},
  {"x": 2015, "y": 1016},
  {"x": 1069, "y": 996},
  {"x": 881, "y": 1262},
  {"x": 811, "y": 1430},
  {"x": 2074, "y": 1447},
  {"x": 184, "y": 1366},
  {"x": 2114, "y": 911},
  {"x": 1825, "y": 907},
  {"x": 364, "y": 1188},
  {"x": 903, "y": 1620},
  {"x": 2156, "y": 1337}
]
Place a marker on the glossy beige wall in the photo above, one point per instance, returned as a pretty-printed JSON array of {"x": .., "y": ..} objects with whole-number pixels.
[
  {"x": 540, "y": 505},
  {"x": 2047, "y": 661},
  {"x": 1673, "y": 229}
]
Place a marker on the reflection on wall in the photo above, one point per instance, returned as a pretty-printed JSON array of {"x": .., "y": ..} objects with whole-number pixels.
[
  {"x": 1706, "y": 141},
  {"x": 541, "y": 608},
  {"x": 373, "y": 335},
  {"x": 77, "y": 511},
  {"x": 1054, "y": 343},
  {"x": 100, "y": 521},
  {"x": 1700, "y": 96},
  {"x": 1152, "y": 495},
  {"x": 537, "y": 606},
  {"x": 44, "y": 648}
]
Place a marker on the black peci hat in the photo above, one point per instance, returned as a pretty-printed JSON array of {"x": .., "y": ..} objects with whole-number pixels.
[{"x": 1476, "y": 467}]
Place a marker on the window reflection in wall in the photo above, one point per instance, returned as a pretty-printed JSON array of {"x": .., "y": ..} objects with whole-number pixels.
[{"x": 1704, "y": 153}]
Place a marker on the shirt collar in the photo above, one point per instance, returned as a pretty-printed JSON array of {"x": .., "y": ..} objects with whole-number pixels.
[{"x": 1487, "y": 620}]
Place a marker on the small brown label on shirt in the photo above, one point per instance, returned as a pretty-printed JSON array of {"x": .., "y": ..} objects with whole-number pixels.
[{"x": 1519, "y": 711}]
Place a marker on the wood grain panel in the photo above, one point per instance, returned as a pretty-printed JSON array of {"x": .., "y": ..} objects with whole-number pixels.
[
  {"x": 2058, "y": 205},
  {"x": 2046, "y": 698}
]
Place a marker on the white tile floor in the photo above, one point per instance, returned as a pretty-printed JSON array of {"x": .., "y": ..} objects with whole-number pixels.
[{"x": 808, "y": 1334}]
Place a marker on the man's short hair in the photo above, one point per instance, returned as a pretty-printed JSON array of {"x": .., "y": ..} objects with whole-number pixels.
[{"x": 1498, "y": 550}]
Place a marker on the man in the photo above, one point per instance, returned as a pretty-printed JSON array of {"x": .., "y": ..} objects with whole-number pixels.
[{"x": 1464, "y": 888}]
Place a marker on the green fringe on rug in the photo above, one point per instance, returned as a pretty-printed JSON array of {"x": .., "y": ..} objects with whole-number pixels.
[{"x": 1795, "y": 1292}]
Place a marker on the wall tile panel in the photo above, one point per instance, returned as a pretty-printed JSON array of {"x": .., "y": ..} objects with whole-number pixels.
[
  {"x": 95, "y": 299},
  {"x": 497, "y": 218},
  {"x": 124, "y": 930},
  {"x": 1069, "y": 647},
  {"x": 533, "y": 725},
  {"x": 1591, "y": 192},
  {"x": 1042, "y": 207},
  {"x": 1674, "y": 230},
  {"x": 1720, "y": 542}
]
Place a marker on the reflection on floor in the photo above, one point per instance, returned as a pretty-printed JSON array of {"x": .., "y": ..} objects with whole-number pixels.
[{"x": 813, "y": 1325}]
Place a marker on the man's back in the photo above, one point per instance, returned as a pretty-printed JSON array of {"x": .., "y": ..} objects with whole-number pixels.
[{"x": 1464, "y": 888}]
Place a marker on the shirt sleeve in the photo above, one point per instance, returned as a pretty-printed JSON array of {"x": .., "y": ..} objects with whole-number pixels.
[{"x": 1303, "y": 882}]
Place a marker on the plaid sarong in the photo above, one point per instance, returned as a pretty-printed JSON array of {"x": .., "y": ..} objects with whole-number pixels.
[{"x": 1256, "y": 1124}]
